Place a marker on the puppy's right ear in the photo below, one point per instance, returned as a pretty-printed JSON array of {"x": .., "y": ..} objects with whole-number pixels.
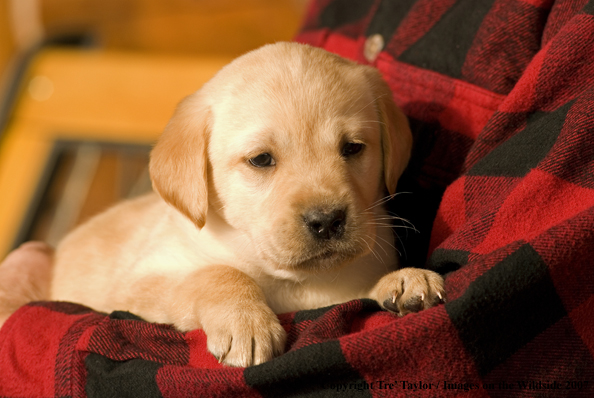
[
  {"x": 395, "y": 131},
  {"x": 178, "y": 162}
]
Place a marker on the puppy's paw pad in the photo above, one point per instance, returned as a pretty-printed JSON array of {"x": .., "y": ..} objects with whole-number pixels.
[
  {"x": 415, "y": 303},
  {"x": 409, "y": 290}
]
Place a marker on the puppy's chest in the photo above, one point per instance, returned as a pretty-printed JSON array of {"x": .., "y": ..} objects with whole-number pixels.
[
  {"x": 287, "y": 297},
  {"x": 315, "y": 292}
]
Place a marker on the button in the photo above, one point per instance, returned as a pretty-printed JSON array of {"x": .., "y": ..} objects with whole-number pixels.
[{"x": 373, "y": 46}]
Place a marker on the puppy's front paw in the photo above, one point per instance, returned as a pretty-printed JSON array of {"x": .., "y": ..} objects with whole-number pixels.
[
  {"x": 409, "y": 290},
  {"x": 245, "y": 337}
]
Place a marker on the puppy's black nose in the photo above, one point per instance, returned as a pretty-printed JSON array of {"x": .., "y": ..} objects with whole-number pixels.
[{"x": 325, "y": 225}]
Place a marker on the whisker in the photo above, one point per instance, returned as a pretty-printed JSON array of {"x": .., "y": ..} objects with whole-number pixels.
[
  {"x": 381, "y": 260},
  {"x": 382, "y": 225},
  {"x": 401, "y": 245},
  {"x": 376, "y": 244},
  {"x": 371, "y": 102},
  {"x": 383, "y": 200},
  {"x": 407, "y": 225},
  {"x": 388, "y": 242},
  {"x": 380, "y": 221},
  {"x": 394, "y": 218},
  {"x": 371, "y": 250},
  {"x": 336, "y": 276},
  {"x": 354, "y": 102}
]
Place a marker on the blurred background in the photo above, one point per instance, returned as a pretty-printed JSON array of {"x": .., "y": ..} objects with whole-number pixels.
[{"x": 87, "y": 86}]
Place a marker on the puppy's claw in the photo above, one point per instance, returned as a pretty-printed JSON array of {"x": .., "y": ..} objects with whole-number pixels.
[
  {"x": 441, "y": 299},
  {"x": 222, "y": 358},
  {"x": 391, "y": 302}
]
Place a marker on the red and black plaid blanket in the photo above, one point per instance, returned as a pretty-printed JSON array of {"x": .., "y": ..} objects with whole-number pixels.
[{"x": 500, "y": 94}]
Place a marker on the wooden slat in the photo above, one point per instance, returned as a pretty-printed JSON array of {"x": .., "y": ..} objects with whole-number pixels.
[
  {"x": 176, "y": 26},
  {"x": 213, "y": 27},
  {"x": 113, "y": 95}
]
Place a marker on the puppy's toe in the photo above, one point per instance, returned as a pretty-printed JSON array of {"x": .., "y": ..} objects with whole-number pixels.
[
  {"x": 253, "y": 349},
  {"x": 409, "y": 290},
  {"x": 219, "y": 343},
  {"x": 250, "y": 337},
  {"x": 269, "y": 344}
]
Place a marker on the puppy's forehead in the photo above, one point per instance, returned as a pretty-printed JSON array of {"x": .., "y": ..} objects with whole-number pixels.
[{"x": 289, "y": 80}]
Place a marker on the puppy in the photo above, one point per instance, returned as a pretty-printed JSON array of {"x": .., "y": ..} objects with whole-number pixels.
[{"x": 269, "y": 187}]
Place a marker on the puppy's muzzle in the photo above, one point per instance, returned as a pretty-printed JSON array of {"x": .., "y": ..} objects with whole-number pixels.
[{"x": 325, "y": 225}]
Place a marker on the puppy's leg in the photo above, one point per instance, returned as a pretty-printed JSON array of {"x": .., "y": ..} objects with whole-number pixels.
[
  {"x": 409, "y": 290},
  {"x": 231, "y": 308},
  {"x": 24, "y": 277}
]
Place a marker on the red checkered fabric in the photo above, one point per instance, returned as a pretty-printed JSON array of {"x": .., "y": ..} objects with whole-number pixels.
[{"x": 500, "y": 95}]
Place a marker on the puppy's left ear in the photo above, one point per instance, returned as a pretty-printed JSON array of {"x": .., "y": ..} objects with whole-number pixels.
[
  {"x": 178, "y": 162},
  {"x": 395, "y": 131}
]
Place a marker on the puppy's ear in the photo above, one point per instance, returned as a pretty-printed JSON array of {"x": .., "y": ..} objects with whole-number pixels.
[
  {"x": 178, "y": 162},
  {"x": 396, "y": 135}
]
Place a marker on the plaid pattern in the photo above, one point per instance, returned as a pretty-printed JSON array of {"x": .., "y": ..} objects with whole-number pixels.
[{"x": 500, "y": 94}]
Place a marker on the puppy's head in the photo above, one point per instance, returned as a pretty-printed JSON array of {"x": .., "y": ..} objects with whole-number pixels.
[{"x": 291, "y": 146}]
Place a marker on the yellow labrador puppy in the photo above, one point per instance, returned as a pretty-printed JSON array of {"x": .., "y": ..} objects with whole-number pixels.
[{"x": 269, "y": 182}]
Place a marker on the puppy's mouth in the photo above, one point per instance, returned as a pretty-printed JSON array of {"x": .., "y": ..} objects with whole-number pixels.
[
  {"x": 326, "y": 255},
  {"x": 325, "y": 260}
]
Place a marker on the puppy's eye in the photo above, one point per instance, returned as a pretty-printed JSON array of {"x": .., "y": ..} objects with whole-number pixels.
[
  {"x": 351, "y": 148},
  {"x": 262, "y": 160}
]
